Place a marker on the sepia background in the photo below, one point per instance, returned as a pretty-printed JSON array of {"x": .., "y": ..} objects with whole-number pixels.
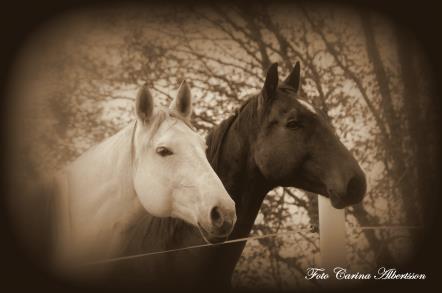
[{"x": 76, "y": 80}]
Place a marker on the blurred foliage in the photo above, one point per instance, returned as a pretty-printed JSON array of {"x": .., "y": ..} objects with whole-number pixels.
[{"x": 91, "y": 63}]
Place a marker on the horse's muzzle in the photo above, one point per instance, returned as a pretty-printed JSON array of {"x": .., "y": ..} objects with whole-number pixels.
[
  {"x": 219, "y": 225},
  {"x": 354, "y": 193}
]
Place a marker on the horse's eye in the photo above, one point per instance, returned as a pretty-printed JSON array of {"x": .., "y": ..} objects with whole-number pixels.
[
  {"x": 163, "y": 151},
  {"x": 294, "y": 124}
]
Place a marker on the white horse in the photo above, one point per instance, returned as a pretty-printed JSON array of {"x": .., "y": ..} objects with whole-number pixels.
[{"x": 157, "y": 166}]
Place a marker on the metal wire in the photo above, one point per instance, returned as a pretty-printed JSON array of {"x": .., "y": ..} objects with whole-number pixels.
[
  {"x": 122, "y": 258},
  {"x": 129, "y": 257}
]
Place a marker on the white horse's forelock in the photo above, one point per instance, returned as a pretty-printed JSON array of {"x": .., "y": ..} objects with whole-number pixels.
[{"x": 160, "y": 116}]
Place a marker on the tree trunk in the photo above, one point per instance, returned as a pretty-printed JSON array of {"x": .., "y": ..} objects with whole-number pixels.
[
  {"x": 404, "y": 179},
  {"x": 420, "y": 127}
]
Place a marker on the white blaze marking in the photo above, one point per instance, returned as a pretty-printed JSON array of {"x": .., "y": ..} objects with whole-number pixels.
[{"x": 308, "y": 106}]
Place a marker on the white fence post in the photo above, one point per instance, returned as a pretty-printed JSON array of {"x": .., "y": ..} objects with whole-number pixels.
[{"x": 332, "y": 242}]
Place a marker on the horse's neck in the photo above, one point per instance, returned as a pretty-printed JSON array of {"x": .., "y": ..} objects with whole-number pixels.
[
  {"x": 99, "y": 197},
  {"x": 241, "y": 178},
  {"x": 235, "y": 166}
]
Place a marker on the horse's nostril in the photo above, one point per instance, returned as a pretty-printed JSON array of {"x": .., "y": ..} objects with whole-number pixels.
[
  {"x": 356, "y": 187},
  {"x": 216, "y": 217}
]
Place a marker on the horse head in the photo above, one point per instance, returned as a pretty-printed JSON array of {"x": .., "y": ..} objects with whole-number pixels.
[
  {"x": 297, "y": 146},
  {"x": 172, "y": 177}
]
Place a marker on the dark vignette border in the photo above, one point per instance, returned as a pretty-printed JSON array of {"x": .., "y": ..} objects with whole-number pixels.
[{"x": 19, "y": 20}]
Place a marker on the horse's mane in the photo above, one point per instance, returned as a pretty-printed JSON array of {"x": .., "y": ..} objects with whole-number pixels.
[
  {"x": 216, "y": 137},
  {"x": 150, "y": 233}
]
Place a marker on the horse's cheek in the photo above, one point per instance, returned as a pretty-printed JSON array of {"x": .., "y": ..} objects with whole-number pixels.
[
  {"x": 275, "y": 158},
  {"x": 153, "y": 196},
  {"x": 263, "y": 159}
]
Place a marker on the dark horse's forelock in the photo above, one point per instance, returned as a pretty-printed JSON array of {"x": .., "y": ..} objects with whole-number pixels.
[{"x": 215, "y": 140}]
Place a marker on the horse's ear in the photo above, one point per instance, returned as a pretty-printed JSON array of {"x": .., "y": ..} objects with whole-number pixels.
[
  {"x": 144, "y": 104},
  {"x": 183, "y": 101},
  {"x": 271, "y": 82},
  {"x": 294, "y": 77}
]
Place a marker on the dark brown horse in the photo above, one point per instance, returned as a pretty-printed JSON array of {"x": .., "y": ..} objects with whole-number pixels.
[
  {"x": 278, "y": 139},
  {"x": 275, "y": 139}
]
